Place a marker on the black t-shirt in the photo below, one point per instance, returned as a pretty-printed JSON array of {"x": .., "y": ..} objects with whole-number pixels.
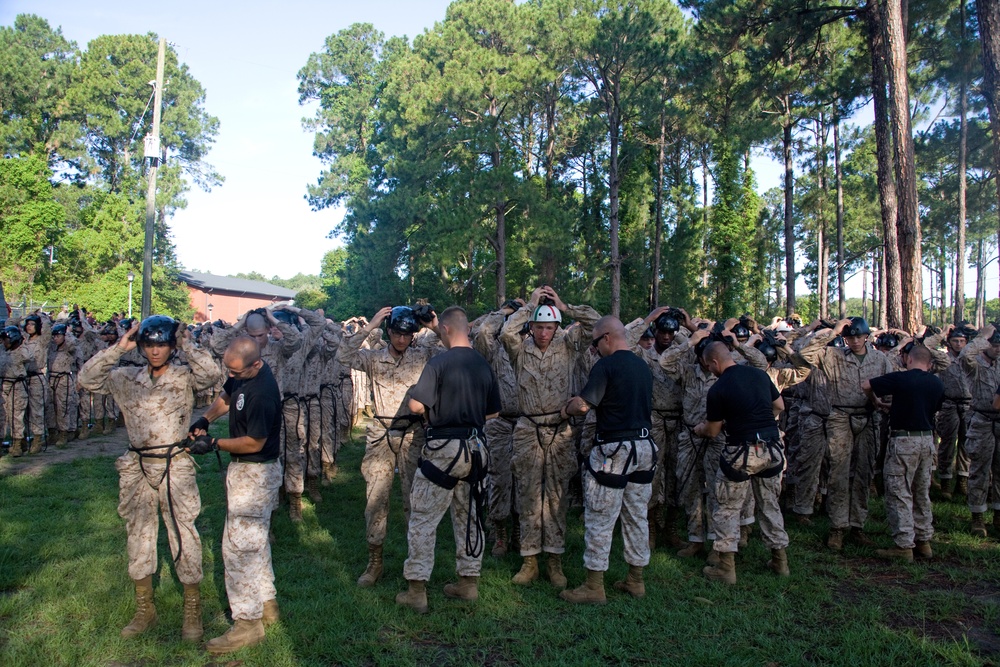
[
  {"x": 459, "y": 389},
  {"x": 916, "y": 397},
  {"x": 743, "y": 397},
  {"x": 255, "y": 410},
  {"x": 620, "y": 386}
]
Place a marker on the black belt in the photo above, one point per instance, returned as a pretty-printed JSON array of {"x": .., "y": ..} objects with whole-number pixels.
[
  {"x": 854, "y": 410},
  {"x": 243, "y": 459},
  {"x": 451, "y": 432},
  {"x": 618, "y": 436},
  {"x": 988, "y": 414},
  {"x": 910, "y": 434}
]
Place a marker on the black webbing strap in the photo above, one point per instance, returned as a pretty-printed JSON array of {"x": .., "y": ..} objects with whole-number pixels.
[
  {"x": 476, "y": 479},
  {"x": 739, "y": 474},
  {"x": 167, "y": 453},
  {"x": 539, "y": 425},
  {"x": 621, "y": 480}
]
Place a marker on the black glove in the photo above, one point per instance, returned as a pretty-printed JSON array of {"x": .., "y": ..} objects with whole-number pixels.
[
  {"x": 203, "y": 444},
  {"x": 200, "y": 423}
]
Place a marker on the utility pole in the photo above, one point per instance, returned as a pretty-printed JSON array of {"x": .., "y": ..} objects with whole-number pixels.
[{"x": 152, "y": 153}]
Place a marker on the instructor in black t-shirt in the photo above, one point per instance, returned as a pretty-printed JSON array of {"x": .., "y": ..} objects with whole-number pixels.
[
  {"x": 917, "y": 395},
  {"x": 458, "y": 392},
  {"x": 747, "y": 402},
  {"x": 621, "y": 464},
  {"x": 252, "y": 398}
]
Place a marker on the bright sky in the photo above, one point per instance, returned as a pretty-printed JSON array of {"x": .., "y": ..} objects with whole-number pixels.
[{"x": 246, "y": 56}]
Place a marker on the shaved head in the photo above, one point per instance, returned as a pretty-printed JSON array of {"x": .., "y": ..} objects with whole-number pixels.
[
  {"x": 919, "y": 357},
  {"x": 611, "y": 325},
  {"x": 243, "y": 349},
  {"x": 256, "y": 323},
  {"x": 717, "y": 351}
]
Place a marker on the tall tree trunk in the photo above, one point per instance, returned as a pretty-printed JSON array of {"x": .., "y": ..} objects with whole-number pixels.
[
  {"x": 841, "y": 257},
  {"x": 822, "y": 250},
  {"x": 980, "y": 285},
  {"x": 614, "y": 182},
  {"x": 658, "y": 234},
  {"x": 704, "y": 211},
  {"x": 883, "y": 290},
  {"x": 963, "y": 143},
  {"x": 786, "y": 152},
  {"x": 890, "y": 307},
  {"x": 988, "y": 12},
  {"x": 907, "y": 222}
]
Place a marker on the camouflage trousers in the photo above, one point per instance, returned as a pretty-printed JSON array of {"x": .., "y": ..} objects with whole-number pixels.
[
  {"x": 732, "y": 498},
  {"x": 36, "y": 405},
  {"x": 15, "y": 404},
  {"x": 251, "y": 496},
  {"x": 981, "y": 443},
  {"x": 950, "y": 425},
  {"x": 294, "y": 414},
  {"x": 664, "y": 433},
  {"x": 314, "y": 429},
  {"x": 853, "y": 448},
  {"x": 64, "y": 398},
  {"x": 385, "y": 453},
  {"x": 604, "y": 504},
  {"x": 544, "y": 461},
  {"x": 907, "y": 473},
  {"x": 142, "y": 488},
  {"x": 790, "y": 424},
  {"x": 92, "y": 408},
  {"x": 697, "y": 461},
  {"x": 428, "y": 504},
  {"x": 330, "y": 416},
  {"x": 807, "y": 461},
  {"x": 500, "y": 439}
]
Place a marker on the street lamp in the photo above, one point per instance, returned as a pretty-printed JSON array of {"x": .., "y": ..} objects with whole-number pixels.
[
  {"x": 210, "y": 312},
  {"x": 131, "y": 278}
]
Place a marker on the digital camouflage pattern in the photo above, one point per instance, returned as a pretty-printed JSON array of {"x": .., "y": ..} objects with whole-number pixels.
[{"x": 907, "y": 473}]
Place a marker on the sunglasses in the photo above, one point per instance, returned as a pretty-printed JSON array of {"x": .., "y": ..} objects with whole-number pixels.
[{"x": 597, "y": 340}]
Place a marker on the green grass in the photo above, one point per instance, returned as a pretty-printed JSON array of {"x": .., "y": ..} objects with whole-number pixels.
[{"x": 65, "y": 594}]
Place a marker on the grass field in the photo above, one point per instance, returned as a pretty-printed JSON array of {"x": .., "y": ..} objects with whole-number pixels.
[{"x": 65, "y": 594}]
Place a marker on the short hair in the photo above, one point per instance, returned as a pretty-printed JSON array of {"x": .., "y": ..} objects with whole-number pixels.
[
  {"x": 245, "y": 349},
  {"x": 920, "y": 354},
  {"x": 609, "y": 324},
  {"x": 716, "y": 351},
  {"x": 256, "y": 322},
  {"x": 454, "y": 316}
]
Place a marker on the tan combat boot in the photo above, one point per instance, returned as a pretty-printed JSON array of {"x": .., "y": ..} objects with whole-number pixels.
[
  {"x": 962, "y": 486},
  {"x": 553, "y": 568},
  {"x": 295, "y": 507},
  {"x": 467, "y": 588},
  {"x": 312, "y": 486},
  {"x": 859, "y": 537},
  {"x": 109, "y": 426},
  {"x": 528, "y": 571},
  {"x": 923, "y": 550},
  {"x": 17, "y": 448},
  {"x": 373, "y": 572},
  {"x": 192, "y": 629},
  {"x": 60, "y": 440},
  {"x": 835, "y": 540},
  {"x": 500, "y": 542},
  {"x": 633, "y": 583},
  {"x": 779, "y": 563},
  {"x": 745, "y": 532},
  {"x": 145, "y": 611},
  {"x": 946, "y": 486},
  {"x": 271, "y": 613},
  {"x": 692, "y": 550},
  {"x": 329, "y": 472},
  {"x": 414, "y": 597},
  {"x": 37, "y": 443},
  {"x": 243, "y": 633},
  {"x": 725, "y": 571},
  {"x": 83, "y": 432},
  {"x": 590, "y": 591},
  {"x": 895, "y": 554},
  {"x": 978, "y": 525},
  {"x": 670, "y": 536}
]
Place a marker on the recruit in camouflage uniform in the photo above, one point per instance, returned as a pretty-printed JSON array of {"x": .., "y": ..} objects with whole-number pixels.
[
  {"x": 392, "y": 439},
  {"x": 336, "y": 394},
  {"x": 90, "y": 407},
  {"x": 852, "y": 425},
  {"x": 979, "y": 362},
  {"x": 20, "y": 362},
  {"x": 38, "y": 334},
  {"x": 64, "y": 363},
  {"x": 499, "y": 431},
  {"x": 544, "y": 458},
  {"x": 950, "y": 425},
  {"x": 157, "y": 415}
]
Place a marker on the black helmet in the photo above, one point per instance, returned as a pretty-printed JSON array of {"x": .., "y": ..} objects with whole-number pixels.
[
  {"x": 158, "y": 329},
  {"x": 649, "y": 332},
  {"x": 669, "y": 322},
  {"x": 741, "y": 331},
  {"x": 769, "y": 351},
  {"x": 857, "y": 327},
  {"x": 13, "y": 335},
  {"x": 995, "y": 338},
  {"x": 886, "y": 341},
  {"x": 36, "y": 319},
  {"x": 906, "y": 349},
  {"x": 286, "y": 316},
  {"x": 424, "y": 312},
  {"x": 59, "y": 329},
  {"x": 838, "y": 341},
  {"x": 963, "y": 330},
  {"x": 402, "y": 320}
]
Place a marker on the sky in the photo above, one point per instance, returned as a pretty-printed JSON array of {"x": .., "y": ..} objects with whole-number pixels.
[{"x": 246, "y": 57}]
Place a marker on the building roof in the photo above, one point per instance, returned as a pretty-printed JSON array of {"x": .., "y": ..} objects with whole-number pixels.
[{"x": 211, "y": 283}]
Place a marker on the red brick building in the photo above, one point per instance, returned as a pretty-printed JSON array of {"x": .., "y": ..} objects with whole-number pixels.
[{"x": 221, "y": 297}]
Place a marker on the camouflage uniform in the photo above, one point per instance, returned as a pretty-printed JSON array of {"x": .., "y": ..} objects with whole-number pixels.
[
  {"x": 393, "y": 439},
  {"x": 334, "y": 387},
  {"x": 543, "y": 456},
  {"x": 852, "y": 425},
  {"x": 907, "y": 489},
  {"x": 807, "y": 459},
  {"x": 603, "y": 504},
  {"x": 64, "y": 363},
  {"x": 731, "y": 499},
  {"x": 91, "y": 407},
  {"x": 698, "y": 458},
  {"x": 983, "y": 426},
  {"x": 38, "y": 348},
  {"x": 157, "y": 414},
  {"x": 952, "y": 418},
  {"x": 499, "y": 430},
  {"x": 13, "y": 379},
  {"x": 303, "y": 371},
  {"x": 251, "y": 496}
]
